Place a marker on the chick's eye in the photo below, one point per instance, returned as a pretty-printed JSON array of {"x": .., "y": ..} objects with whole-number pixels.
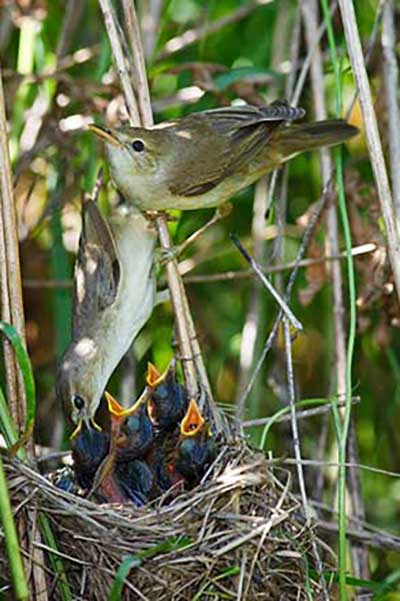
[
  {"x": 78, "y": 402},
  {"x": 138, "y": 145}
]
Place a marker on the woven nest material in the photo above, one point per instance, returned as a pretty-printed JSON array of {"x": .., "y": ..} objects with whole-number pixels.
[{"x": 240, "y": 534}]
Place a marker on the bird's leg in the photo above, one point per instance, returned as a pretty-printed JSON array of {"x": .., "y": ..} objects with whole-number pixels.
[{"x": 173, "y": 253}]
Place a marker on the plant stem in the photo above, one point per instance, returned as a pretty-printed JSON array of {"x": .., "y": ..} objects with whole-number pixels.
[
  {"x": 344, "y": 426},
  {"x": 11, "y": 540}
]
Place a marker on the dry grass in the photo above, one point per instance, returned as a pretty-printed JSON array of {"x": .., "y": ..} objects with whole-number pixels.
[{"x": 241, "y": 535}]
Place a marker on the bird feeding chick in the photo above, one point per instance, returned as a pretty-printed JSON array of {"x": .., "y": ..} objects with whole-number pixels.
[
  {"x": 203, "y": 159},
  {"x": 114, "y": 295},
  {"x": 144, "y": 459}
]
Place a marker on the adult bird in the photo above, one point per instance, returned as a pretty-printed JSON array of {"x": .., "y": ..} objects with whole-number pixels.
[
  {"x": 205, "y": 158},
  {"x": 114, "y": 294}
]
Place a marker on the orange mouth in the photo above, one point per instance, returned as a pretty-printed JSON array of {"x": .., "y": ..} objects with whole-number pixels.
[
  {"x": 117, "y": 411},
  {"x": 193, "y": 420},
  {"x": 153, "y": 376}
]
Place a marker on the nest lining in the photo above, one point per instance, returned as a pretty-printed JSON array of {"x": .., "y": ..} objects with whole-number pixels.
[{"x": 240, "y": 530}]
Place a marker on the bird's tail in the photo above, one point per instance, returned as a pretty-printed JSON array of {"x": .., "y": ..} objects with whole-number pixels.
[{"x": 307, "y": 136}]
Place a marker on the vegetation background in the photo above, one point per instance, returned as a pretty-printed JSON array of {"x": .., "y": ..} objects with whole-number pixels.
[{"x": 59, "y": 76}]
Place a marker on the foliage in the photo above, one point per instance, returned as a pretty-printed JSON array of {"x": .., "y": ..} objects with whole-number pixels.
[{"x": 59, "y": 76}]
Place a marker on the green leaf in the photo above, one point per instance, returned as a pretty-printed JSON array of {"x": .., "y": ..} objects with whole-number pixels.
[
  {"x": 25, "y": 366},
  {"x": 134, "y": 561}
]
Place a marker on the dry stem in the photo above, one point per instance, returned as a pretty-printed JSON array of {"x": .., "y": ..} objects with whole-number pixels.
[
  {"x": 372, "y": 134},
  {"x": 12, "y": 307},
  {"x": 391, "y": 76},
  {"x": 140, "y": 112}
]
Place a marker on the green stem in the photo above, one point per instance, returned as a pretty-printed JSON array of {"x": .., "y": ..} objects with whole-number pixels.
[
  {"x": 344, "y": 428},
  {"x": 12, "y": 544}
]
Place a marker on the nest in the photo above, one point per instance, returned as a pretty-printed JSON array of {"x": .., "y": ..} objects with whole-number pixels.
[{"x": 239, "y": 534}]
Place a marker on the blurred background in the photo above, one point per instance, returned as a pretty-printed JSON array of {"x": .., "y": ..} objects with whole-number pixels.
[{"x": 58, "y": 77}]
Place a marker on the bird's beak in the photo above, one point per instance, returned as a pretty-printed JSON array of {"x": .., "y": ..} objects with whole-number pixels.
[
  {"x": 88, "y": 422},
  {"x": 153, "y": 376},
  {"x": 193, "y": 420},
  {"x": 105, "y": 133},
  {"x": 117, "y": 411}
]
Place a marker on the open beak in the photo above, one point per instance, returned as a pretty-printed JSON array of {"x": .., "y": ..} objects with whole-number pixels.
[
  {"x": 153, "y": 377},
  {"x": 193, "y": 420},
  {"x": 117, "y": 411},
  {"x": 105, "y": 133}
]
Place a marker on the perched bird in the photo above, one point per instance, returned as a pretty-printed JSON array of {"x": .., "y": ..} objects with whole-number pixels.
[
  {"x": 203, "y": 159},
  {"x": 196, "y": 448},
  {"x": 89, "y": 448},
  {"x": 114, "y": 294},
  {"x": 168, "y": 399}
]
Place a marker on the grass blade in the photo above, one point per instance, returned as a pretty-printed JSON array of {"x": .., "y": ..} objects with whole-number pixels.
[
  {"x": 11, "y": 540},
  {"x": 25, "y": 365}
]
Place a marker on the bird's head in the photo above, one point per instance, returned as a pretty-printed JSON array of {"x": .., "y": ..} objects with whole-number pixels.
[
  {"x": 132, "y": 149},
  {"x": 78, "y": 390}
]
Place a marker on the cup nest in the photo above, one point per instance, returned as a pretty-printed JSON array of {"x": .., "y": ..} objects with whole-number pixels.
[{"x": 240, "y": 534}]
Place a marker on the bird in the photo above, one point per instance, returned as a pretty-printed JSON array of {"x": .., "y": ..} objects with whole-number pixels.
[
  {"x": 89, "y": 448},
  {"x": 136, "y": 480},
  {"x": 196, "y": 448},
  {"x": 114, "y": 295},
  {"x": 131, "y": 429},
  {"x": 167, "y": 397},
  {"x": 203, "y": 159},
  {"x": 131, "y": 436}
]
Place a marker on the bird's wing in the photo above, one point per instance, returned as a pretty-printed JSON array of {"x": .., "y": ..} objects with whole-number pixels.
[
  {"x": 238, "y": 135},
  {"x": 228, "y": 119},
  {"x": 97, "y": 269}
]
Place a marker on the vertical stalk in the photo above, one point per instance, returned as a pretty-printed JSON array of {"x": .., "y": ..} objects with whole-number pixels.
[
  {"x": 12, "y": 308},
  {"x": 372, "y": 133},
  {"x": 139, "y": 109},
  {"x": 343, "y": 426},
  {"x": 11, "y": 540}
]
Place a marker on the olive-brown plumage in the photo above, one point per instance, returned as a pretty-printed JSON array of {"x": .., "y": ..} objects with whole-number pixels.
[{"x": 203, "y": 159}]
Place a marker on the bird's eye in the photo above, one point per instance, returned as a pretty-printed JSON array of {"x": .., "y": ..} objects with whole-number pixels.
[
  {"x": 79, "y": 402},
  {"x": 138, "y": 145}
]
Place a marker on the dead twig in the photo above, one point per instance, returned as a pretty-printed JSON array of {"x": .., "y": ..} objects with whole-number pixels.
[
  {"x": 391, "y": 78},
  {"x": 372, "y": 134}
]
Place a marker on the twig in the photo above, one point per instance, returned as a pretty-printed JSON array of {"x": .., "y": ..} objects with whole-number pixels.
[
  {"x": 180, "y": 304},
  {"x": 371, "y": 539},
  {"x": 391, "y": 78},
  {"x": 372, "y": 133},
  {"x": 271, "y": 337},
  {"x": 305, "y": 414},
  {"x": 223, "y": 276},
  {"x": 253, "y": 324},
  {"x": 126, "y": 83},
  {"x": 142, "y": 86},
  {"x": 12, "y": 307},
  {"x": 284, "y": 307},
  {"x": 310, "y": 11},
  {"x": 293, "y": 420},
  {"x": 150, "y": 20}
]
